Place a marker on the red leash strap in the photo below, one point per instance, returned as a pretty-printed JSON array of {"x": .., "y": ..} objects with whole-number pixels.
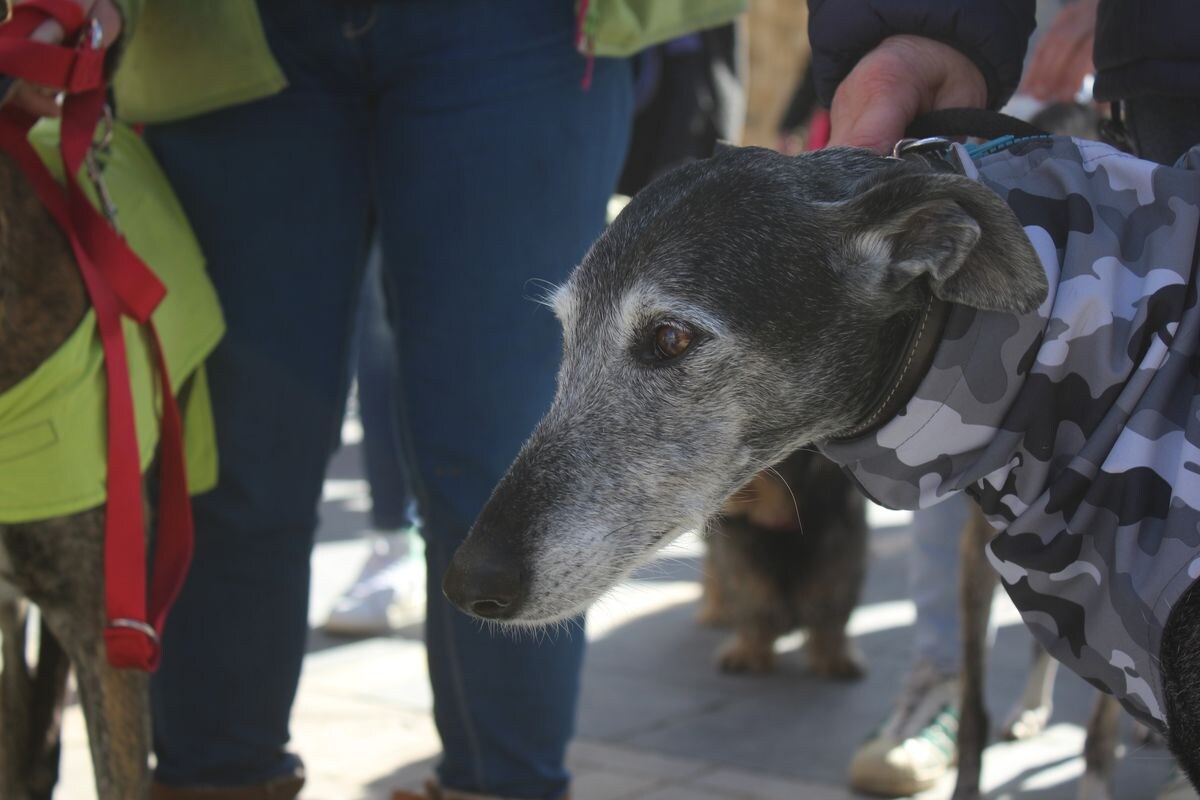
[{"x": 118, "y": 284}]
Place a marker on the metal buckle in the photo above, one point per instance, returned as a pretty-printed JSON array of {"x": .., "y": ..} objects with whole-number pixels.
[
  {"x": 94, "y": 34},
  {"x": 935, "y": 145},
  {"x": 136, "y": 625},
  {"x": 95, "y": 170}
]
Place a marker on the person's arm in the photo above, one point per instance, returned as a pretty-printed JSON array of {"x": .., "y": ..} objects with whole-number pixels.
[
  {"x": 1063, "y": 56},
  {"x": 880, "y": 63}
]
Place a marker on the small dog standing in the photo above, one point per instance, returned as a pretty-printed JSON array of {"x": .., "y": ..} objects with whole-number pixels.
[{"x": 788, "y": 551}]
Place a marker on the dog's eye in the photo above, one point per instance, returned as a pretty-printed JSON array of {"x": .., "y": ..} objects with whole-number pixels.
[{"x": 671, "y": 341}]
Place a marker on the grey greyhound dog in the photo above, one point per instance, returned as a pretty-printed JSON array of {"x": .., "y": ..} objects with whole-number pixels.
[{"x": 1022, "y": 328}]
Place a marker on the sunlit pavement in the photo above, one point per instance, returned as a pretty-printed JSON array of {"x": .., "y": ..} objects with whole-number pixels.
[{"x": 657, "y": 721}]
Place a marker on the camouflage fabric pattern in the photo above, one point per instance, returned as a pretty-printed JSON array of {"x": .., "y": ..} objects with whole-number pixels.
[{"x": 1077, "y": 427}]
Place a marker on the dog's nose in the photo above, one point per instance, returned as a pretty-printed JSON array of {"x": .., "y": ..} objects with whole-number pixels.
[{"x": 485, "y": 584}]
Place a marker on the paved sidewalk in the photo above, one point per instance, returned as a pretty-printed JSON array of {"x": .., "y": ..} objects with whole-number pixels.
[{"x": 657, "y": 721}]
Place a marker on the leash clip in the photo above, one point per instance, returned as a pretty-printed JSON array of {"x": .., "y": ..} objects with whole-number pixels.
[
  {"x": 930, "y": 145},
  {"x": 136, "y": 625},
  {"x": 96, "y": 172},
  {"x": 94, "y": 34}
]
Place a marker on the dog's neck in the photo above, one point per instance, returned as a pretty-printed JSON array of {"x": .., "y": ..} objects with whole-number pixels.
[
  {"x": 42, "y": 296},
  {"x": 907, "y": 370}
]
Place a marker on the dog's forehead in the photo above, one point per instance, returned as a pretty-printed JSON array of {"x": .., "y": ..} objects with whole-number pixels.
[{"x": 711, "y": 224}]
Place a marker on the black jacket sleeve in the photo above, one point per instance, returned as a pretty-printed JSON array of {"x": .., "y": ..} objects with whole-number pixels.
[
  {"x": 1147, "y": 49},
  {"x": 992, "y": 33}
]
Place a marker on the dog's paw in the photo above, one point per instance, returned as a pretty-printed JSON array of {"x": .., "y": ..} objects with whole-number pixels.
[
  {"x": 737, "y": 656},
  {"x": 1025, "y": 723},
  {"x": 843, "y": 666}
]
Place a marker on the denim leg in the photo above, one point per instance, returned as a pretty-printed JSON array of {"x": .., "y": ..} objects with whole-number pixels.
[
  {"x": 278, "y": 194},
  {"x": 933, "y": 582},
  {"x": 496, "y": 174},
  {"x": 384, "y": 446}
]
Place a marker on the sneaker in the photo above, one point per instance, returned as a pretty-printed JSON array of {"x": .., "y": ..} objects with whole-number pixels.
[
  {"x": 389, "y": 592},
  {"x": 917, "y": 744}
]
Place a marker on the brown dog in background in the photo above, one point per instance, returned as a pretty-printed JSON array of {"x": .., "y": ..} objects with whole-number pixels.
[{"x": 789, "y": 552}]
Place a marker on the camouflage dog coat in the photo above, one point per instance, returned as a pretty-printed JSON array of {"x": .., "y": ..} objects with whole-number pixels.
[{"x": 1075, "y": 427}]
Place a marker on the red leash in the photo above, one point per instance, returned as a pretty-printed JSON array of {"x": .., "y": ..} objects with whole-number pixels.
[{"x": 118, "y": 284}]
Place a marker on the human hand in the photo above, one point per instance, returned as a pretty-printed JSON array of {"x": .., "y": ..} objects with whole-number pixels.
[
  {"x": 1063, "y": 56},
  {"x": 41, "y": 100},
  {"x": 902, "y": 78}
]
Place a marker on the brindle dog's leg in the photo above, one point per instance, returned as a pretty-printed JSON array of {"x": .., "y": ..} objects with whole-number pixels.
[
  {"x": 61, "y": 562},
  {"x": 1099, "y": 749},
  {"x": 977, "y": 584},
  {"x": 1033, "y": 708},
  {"x": 49, "y": 694},
  {"x": 118, "y": 722},
  {"x": 14, "y": 701}
]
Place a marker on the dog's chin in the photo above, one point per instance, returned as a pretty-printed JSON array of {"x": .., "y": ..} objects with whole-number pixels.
[
  {"x": 548, "y": 606},
  {"x": 547, "y": 616}
]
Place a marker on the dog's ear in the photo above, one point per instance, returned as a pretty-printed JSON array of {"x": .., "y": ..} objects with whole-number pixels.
[{"x": 950, "y": 230}]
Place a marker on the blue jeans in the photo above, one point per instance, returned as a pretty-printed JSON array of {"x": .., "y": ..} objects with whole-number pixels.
[
  {"x": 933, "y": 570},
  {"x": 458, "y": 131},
  {"x": 385, "y": 446}
]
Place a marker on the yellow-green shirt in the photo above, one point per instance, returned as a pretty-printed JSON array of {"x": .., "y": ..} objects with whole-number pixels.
[{"x": 186, "y": 57}]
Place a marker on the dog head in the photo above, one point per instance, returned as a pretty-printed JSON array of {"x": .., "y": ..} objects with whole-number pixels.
[{"x": 738, "y": 309}]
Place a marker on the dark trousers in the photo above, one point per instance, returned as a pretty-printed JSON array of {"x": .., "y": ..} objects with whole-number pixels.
[
  {"x": 459, "y": 133},
  {"x": 1162, "y": 128}
]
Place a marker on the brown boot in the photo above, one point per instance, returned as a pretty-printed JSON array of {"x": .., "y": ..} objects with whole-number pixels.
[
  {"x": 435, "y": 792},
  {"x": 285, "y": 788}
]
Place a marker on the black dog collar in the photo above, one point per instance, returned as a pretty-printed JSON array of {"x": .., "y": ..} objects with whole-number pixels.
[{"x": 906, "y": 375}]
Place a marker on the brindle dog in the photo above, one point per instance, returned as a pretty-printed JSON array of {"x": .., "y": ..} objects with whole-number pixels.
[{"x": 56, "y": 564}]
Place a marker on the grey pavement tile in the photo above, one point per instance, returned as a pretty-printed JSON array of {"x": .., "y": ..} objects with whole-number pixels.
[
  {"x": 614, "y": 706},
  {"x": 767, "y": 787},
  {"x": 689, "y": 792},
  {"x": 586, "y": 754},
  {"x": 389, "y": 670},
  {"x": 609, "y": 784}
]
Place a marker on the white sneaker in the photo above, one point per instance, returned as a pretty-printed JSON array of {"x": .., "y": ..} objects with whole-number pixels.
[
  {"x": 389, "y": 592},
  {"x": 917, "y": 744}
]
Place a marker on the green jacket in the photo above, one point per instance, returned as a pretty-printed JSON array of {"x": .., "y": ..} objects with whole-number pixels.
[
  {"x": 53, "y": 428},
  {"x": 186, "y": 57}
]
